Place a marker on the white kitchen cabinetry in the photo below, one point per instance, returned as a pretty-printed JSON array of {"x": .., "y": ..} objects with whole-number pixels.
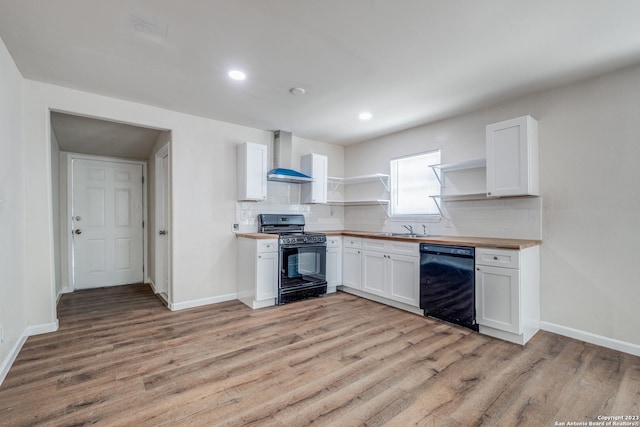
[
  {"x": 391, "y": 269},
  {"x": 334, "y": 263},
  {"x": 512, "y": 158},
  {"x": 257, "y": 270},
  {"x": 508, "y": 293},
  {"x": 251, "y": 171},
  {"x": 352, "y": 262},
  {"x": 314, "y": 165}
]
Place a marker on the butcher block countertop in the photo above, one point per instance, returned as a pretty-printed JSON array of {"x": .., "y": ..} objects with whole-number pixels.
[
  {"x": 257, "y": 235},
  {"x": 482, "y": 242}
]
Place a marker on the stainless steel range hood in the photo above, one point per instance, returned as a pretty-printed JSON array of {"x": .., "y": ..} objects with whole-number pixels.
[{"x": 282, "y": 149}]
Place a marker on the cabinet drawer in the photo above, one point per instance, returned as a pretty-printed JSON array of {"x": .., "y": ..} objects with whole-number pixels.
[
  {"x": 267, "y": 246},
  {"x": 352, "y": 242},
  {"x": 391, "y": 246},
  {"x": 403, "y": 248},
  {"x": 374, "y": 245},
  {"x": 498, "y": 257},
  {"x": 334, "y": 242}
]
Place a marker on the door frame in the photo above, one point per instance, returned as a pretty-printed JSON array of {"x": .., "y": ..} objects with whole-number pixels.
[
  {"x": 69, "y": 223},
  {"x": 158, "y": 172}
]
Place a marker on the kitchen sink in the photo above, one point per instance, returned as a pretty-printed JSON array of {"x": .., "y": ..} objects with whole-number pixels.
[{"x": 387, "y": 234}]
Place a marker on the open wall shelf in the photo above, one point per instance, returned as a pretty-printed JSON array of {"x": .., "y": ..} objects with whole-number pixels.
[{"x": 335, "y": 181}]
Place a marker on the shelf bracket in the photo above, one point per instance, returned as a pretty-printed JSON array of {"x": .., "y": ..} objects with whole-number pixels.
[
  {"x": 435, "y": 172},
  {"x": 334, "y": 184},
  {"x": 385, "y": 209},
  {"x": 384, "y": 179},
  {"x": 437, "y": 203}
]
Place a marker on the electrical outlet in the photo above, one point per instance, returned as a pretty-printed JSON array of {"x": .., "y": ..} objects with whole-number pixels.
[{"x": 235, "y": 228}]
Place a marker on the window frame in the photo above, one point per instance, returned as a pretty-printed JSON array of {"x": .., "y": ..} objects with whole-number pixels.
[{"x": 393, "y": 190}]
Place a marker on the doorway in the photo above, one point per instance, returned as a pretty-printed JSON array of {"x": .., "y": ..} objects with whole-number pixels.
[
  {"x": 107, "y": 221},
  {"x": 77, "y": 136},
  {"x": 162, "y": 224}
]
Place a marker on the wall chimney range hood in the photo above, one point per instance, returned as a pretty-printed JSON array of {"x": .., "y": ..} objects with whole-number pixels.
[{"x": 282, "y": 172}]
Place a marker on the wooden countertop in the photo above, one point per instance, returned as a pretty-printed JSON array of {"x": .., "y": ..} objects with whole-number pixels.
[
  {"x": 257, "y": 235},
  {"x": 483, "y": 242}
]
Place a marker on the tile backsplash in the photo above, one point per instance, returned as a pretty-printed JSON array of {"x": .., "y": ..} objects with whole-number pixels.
[
  {"x": 284, "y": 198},
  {"x": 518, "y": 218}
]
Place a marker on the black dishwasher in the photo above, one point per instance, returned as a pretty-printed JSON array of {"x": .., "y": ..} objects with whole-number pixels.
[{"x": 447, "y": 283}]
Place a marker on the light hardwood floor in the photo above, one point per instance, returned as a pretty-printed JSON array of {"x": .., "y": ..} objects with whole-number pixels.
[{"x": 121, "y": 358}]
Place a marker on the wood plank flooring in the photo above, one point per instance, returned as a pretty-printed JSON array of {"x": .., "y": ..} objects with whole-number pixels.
[{"x": 121, "y": 358}]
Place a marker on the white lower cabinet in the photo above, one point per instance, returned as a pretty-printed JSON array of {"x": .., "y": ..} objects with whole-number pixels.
[
  {"x": 391, "y": 270},
  {"x": 352, "y": 262},
  {"x": 334, "y": 263},
  {"x": 257, "y": 271},
  {"x": 403, "y": 275},
  {"x": 373, "y": 277},
  {"x": 508, "y": 293}
]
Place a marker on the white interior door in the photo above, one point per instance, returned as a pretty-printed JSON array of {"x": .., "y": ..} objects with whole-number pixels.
[
  {"x": 107, "y": 215},
  {"x": 162, "y": 226}
]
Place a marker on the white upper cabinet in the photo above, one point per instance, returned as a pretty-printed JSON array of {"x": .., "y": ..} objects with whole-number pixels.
[
  {"x": 512, "y": 158},
  {"x": 252, "y": 171},
  {"x": 314, "y": 165}
]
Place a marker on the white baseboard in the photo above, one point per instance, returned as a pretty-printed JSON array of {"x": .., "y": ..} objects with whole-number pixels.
[
  {"x": 201, "y": 302},
  {"x": 65, "y": 290},
  {"x": 600, "y": 340},
  {"x": 42, "y": 329},
  {"x": 6, "y": 364},
  {"x": 150, "y": 283}
]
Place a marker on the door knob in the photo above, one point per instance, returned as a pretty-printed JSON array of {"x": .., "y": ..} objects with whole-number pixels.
[
  {"x": 162, "y": 232},
  {"x": 78, "y": 231}
]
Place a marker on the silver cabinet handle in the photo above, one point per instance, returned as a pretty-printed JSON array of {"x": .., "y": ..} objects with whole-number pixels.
[{"x": 162, "y": 232}]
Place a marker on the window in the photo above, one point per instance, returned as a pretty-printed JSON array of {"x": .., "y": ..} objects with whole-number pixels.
[{"x": 412, "y": 182}]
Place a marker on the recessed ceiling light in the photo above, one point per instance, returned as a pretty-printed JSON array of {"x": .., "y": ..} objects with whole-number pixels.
[
  {"x": 297, "y": 91},
  {"x": 365, "y": 115},
  {"x": 237, "y": 75}
]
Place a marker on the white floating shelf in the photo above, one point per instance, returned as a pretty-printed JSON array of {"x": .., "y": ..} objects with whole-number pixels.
[
  {"x": 466, "y": 164},
  {"x": 357, "y": 202},
  {"x": 358, "y": 179},
  {"x": 463, "y": 197}
]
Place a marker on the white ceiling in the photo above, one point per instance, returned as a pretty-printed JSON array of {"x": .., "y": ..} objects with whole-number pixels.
[{"x": 408, "y": 62}]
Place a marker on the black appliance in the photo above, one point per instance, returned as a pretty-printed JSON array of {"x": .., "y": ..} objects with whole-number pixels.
[
  {"x": 302, "y": 257},
  {"x": 447, "y": 283}
]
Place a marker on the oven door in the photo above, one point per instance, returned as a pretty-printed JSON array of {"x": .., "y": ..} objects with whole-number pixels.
[{"x": 302, "y": 266}]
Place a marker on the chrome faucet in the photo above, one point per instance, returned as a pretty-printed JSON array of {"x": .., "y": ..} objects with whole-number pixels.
[{"x": 409, "y": 228}]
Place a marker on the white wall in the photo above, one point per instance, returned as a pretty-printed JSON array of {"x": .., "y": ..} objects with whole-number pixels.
[
  {"x": 590, "y": 188},
  {"x": 13, "y": 317},
  {"x": 203, "y": 159}
]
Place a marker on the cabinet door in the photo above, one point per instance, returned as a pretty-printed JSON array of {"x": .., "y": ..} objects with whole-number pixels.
[
  {"x": 267, "y": 276},
  {"x": 403, "y": 276},
  {"x": 334, "y": 266},
  {"x": 252, "y": 171},
  {"x": 373, "y": 272},
  {"x": 314, "y": 165},
  {"x": 498, "y": 298},
  {"x": 512, "y": 157},
  {"x": 352, "y": 268}
]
